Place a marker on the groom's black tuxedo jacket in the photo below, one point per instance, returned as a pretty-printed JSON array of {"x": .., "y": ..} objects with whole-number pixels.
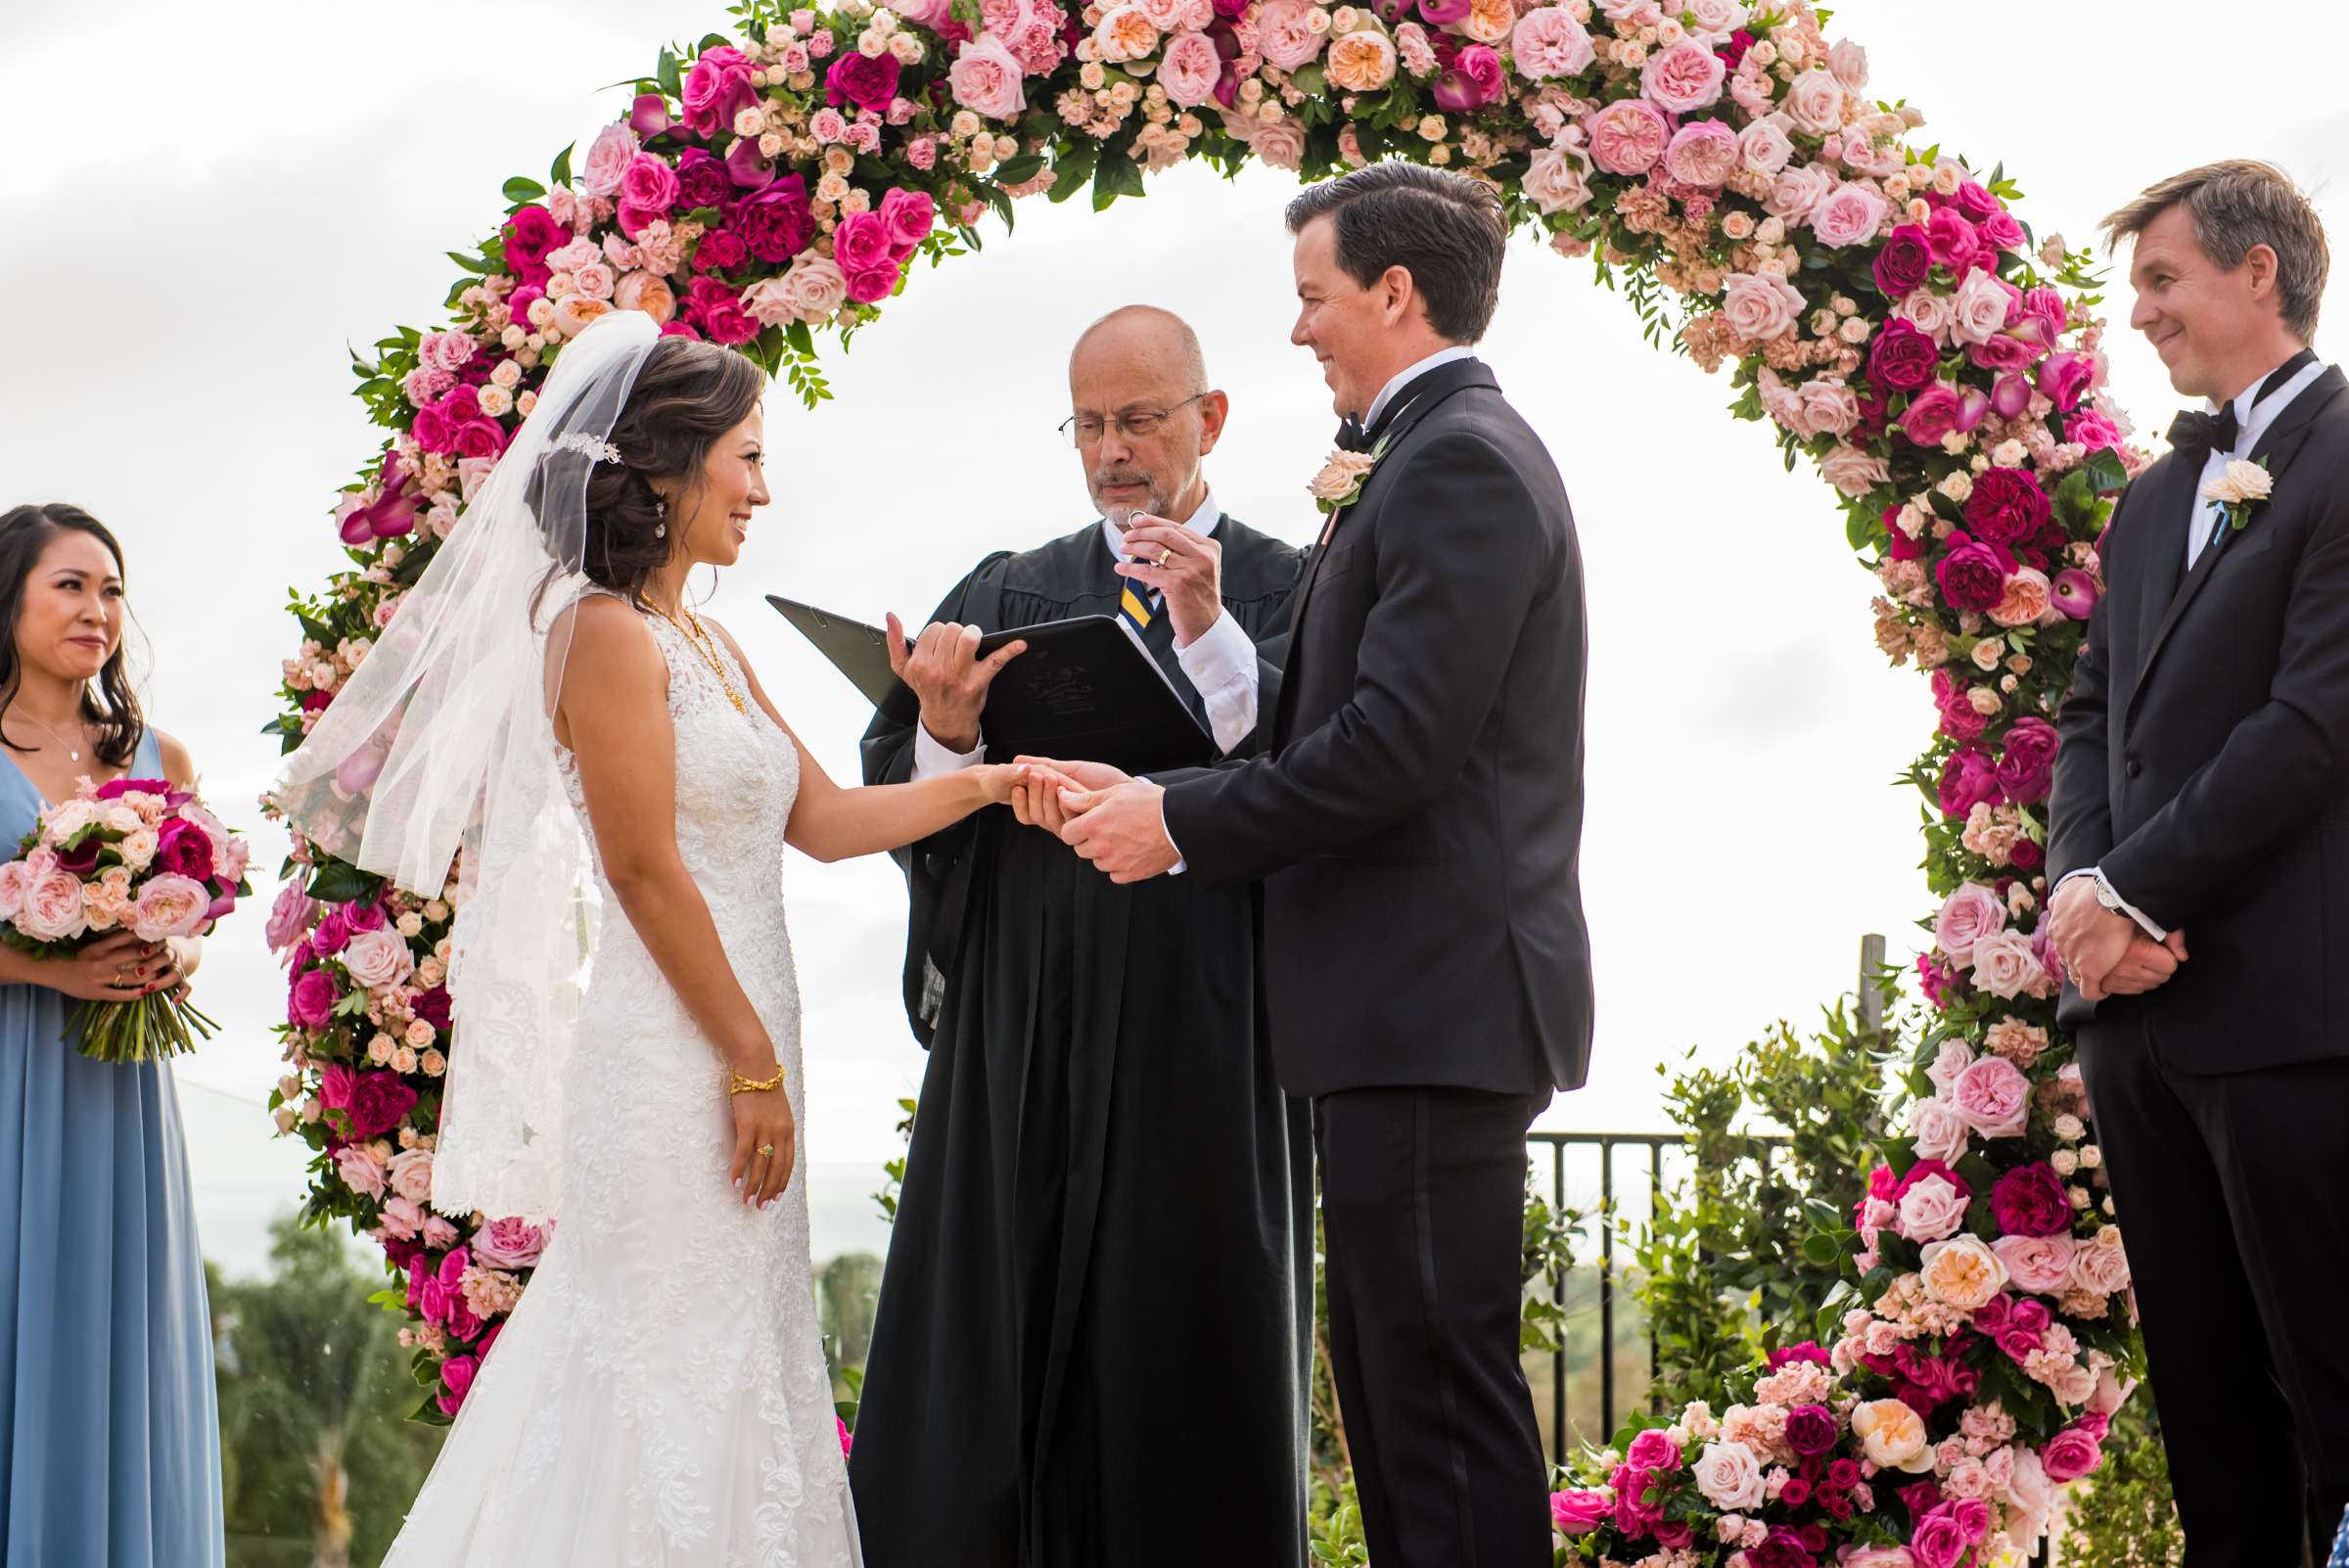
[
  {"x": 2205, "y": 749},
  {"x": 1416, "y": 809}
]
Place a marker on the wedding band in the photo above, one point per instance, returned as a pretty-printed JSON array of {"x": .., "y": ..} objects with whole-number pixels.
[{"x": 1166, "y": 553}]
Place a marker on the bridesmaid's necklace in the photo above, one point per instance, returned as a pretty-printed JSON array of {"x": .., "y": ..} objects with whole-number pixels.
[{"x": 72, "y": 753}]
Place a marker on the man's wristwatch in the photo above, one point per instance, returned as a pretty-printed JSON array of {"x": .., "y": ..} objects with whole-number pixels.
[{"x": 2107, "y": 896}]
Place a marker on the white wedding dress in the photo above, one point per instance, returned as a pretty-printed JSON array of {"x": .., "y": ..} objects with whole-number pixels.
[{"x": 658, "y": 1398}]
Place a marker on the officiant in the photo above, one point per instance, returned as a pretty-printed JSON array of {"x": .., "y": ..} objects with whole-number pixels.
[{"x": 1095, "y": 1332}]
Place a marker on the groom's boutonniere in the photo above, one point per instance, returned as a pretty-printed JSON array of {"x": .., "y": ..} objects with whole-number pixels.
[
  {"x": 2238, "y": 491},
  {"x": 1340, "y": 483}
]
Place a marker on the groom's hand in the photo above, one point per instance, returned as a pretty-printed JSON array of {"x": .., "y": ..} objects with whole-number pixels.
[
  {"x": 1122, "y": 830},
  {"x": 945, "y": 672},
  {"x": 1037, "y": 802}
]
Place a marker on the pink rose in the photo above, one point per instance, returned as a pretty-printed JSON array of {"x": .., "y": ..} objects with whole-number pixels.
[
  {"x": 1703, "y": 152},
  {"x": 2070, "y": 1455},
  {"x": 311, "y": 1001},
  {"x": 1764, "y": 147},
  {"x": 1797, "y": 190},
  {"x": 1557, "y": 179},
  {"x": 1982, "y": 305},
  {"x": 1652, "y": 1450},
  {"x": 1853, "y": 473},
  {"x": 1993, "y": 1094},
  {"x": 985, "y": 80},
  {"x": 1966, "y": 917},
  {"x": 1931, "y": 1210},
  {"x": 908, "y": 215},
  {"x": 1549, "y": 43},
  {"x": 1190, "y": 67},
  {"x": 1683, "y": 79},
  {"x": 1849, "y": 215},
  {"x": 378, "y": 959},
  {"x": 716, "y": 88},
  {"x": 168, "y": 907},
  {"x": 2100, "y": 1268},
  {"x": 1814, "y": 102},
  {"x": 609, "y": 156},
  {"x": 2041, "y": 1264},
  {"x": 2005, "y": 965},
  {"x": 1931, "y": 416},
  {"x": 1282, "y": 144},
  {"x": 1577, "y": 1513},
  {"x": 401, "y": 1218},
  {"x": 649, "y": 185},
  {"x": 509, "y": 1243},
  {"x": 360, "y": 1171},
  {"x": 1759, "y": 306},
  {"x": 51, "y": 907},
  {"x": 15, "y": 878},
  {"x": 1475, "y": 79},
  {"x": 1939, "y": 1132},
  {"x": 1284, "y": 37},
  {"x": 412, "y": 1173},
  {"x": 1730, "y": 1476},
  {"x": 1628, "y": 136},
  {"x": 456, "y": 1374}
]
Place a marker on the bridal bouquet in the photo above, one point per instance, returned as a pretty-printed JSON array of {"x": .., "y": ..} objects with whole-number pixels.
[{"x": 136, "y": 856}]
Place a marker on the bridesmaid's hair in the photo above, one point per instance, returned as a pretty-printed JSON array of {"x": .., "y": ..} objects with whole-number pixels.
[
  {"x": 113, "y": 709},
  {"x": 686, "y": 395}
]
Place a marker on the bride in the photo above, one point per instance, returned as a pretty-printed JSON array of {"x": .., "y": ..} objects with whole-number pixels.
[{"x": 659, "y": 1395}]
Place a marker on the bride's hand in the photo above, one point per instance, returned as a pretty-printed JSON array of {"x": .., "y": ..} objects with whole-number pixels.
[
  {"x": 1000, "y": 780},
  {"x": 766, "y": 1143}
]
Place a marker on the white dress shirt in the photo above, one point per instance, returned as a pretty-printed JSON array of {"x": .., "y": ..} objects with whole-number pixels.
[
  {"x": 2251, "y": 423},
  {"x": 1404, "y": 377},
  {"x": 1220, "y": 667}
]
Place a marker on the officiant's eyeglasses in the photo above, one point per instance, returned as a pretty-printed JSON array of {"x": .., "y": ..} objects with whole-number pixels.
[{"x": 1085, "y": 430}]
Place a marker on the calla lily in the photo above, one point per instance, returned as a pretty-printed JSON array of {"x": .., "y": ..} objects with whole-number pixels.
[
  {"x": 2074, "y": 592},
  {"x": 2011, "y": 399},
  {"x": 747, "y": 167},
  {"x": 1973, "y": 406},
  {"x": 649, "y": 116}
]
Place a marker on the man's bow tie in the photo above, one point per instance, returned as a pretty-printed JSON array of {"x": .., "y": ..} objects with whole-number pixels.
[
  {"x": 1351, "y": 438},
  {"x": 2205, "y": 432}
]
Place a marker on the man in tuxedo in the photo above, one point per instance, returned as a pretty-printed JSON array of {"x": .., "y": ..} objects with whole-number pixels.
[
  {"x": 2203, "y": 787},
  {"x": 1416, "y": 817}
]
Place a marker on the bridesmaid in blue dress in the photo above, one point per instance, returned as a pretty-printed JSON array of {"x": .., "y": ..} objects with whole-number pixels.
[{"x": 110, "y": 1447}]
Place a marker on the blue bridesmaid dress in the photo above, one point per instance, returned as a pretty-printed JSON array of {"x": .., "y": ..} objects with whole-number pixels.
[{"x": 110, "y": 1430}]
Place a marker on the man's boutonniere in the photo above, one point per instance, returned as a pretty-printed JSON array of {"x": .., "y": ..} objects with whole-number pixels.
[
  {"x": 1340, "y": 483},
  {"x": 2241, "y": 487}
]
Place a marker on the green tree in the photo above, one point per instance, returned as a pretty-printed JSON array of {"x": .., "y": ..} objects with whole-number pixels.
[
  {"x": 846, "y": 1290},
  {"x": 319, "y": 1461}
]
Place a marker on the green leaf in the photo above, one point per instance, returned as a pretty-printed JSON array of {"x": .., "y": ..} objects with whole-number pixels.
[
  {"x": 1071, "y": 172},
  {"x": 559, "y": 173},
  {"x": 522, "y": 192},
  {"x": 470, "y": 264},
  {"x": 2107, "y": 472},
  {"x": 1018, "y": 171},
  {"x": 337, "y": 883},
  {"x": 319, "y": 632},
  {"x": 670, "y": 77},
  {"x": 1113, "y": 178}
]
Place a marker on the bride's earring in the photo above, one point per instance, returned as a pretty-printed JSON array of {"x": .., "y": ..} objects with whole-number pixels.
[{"x": 660, "y": 510}]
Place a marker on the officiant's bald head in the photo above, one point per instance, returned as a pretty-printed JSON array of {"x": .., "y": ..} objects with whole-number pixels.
[{"x": 1142, "y": 414}]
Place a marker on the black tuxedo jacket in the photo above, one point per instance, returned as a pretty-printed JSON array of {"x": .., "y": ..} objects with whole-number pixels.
[
  {"x": 1416, "y": 809},
  {"x": 2205, "y": 756}
]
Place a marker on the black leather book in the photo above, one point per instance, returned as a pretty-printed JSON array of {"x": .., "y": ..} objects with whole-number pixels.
[{"x": 1084, "y": 690}]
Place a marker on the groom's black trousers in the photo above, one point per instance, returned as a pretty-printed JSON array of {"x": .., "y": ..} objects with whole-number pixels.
[
  {"x": 1422, "y": 1211},
  {"x": 2234, "y": 1193}
]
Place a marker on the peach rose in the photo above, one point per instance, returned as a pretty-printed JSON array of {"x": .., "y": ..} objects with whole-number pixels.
[
  {"x": 1852, "y": 471},
  {"x": 1361, "y": 61},
  {"x": 2006, "y": 966},
  {"x": 1340, "y": 475},
  {"x": 412, "y": 1173},
  {"x": 2027, "y": 596},
  {"x": 1489, "y": 22},
  {"x": 1279, "y": 143},
  {"x": 1893, "y": 1435},
  {"x": 1126, "y": 33},
  {"x": 1940, "y": 1133},
  {"x": 1550, "y": 43},
  {"x": 1963, "y": 1272},
  {"x": 2100, "y": 1265},
  {"x": 360, "y": 1170},
  {"x": 1760, "y": 306}
]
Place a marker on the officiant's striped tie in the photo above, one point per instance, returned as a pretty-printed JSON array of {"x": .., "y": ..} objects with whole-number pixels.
[{"x": 1136, "y": 610}]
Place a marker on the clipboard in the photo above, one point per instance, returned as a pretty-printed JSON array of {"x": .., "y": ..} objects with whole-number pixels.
[{"x": 1084, "y": 689}]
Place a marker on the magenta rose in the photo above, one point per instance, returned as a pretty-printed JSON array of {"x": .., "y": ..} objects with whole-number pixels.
[
  {"x": 2029, "y": 1201},
  {"x": 1811, "y": 1429},
  {"x": 1904, "y": 261},
  {"x": 909, "y": 216},
  {"x": 774, "y": 221},
  {"x": 1634, "y": 1515},
  {"x": 332, "y": 934},
  {"x": 874, "y": 285},
  {"x": 1974, "y": 199},
  {"x": 1969, "y": 780},
  {"x": 1784, "y": 1549},
  {"x": 184, "y": 850},
  {"x": 701, "y": 180},
  {"x": 310, "y": 1001},
  {"x": 649, "y": 184},
  {"x": 1653, "y": 1451},
  {"x": 379, "y": 1102},
  {"x": 717, "y": 310},
  {"x": 456, "y": 1375},
  {"x": 1932, "y": 414},
  {"x": 2002, "y": 231},
  {"x": 861, "y": 243},
  {"x": 1474, "y": 80},
  {"x": 2065, "y": 378},
  {"x": 719, "y": 251},
  {"x": 2007, "y": 507},
  {"x": 1903, "y": 357},
  {"x": 716, "y": 88},
  {"x": 1973, "y": 574},
  {"x": 1958, "y": 720},
  {"x": 530, "y": 232},
  {"x": 2070, "y": 1455},
  {"x": 1940, "y": 1540},
  {"x": 1810, "y": 1350},
  {"x": 480, "y": 436},
  {"x": 2092, "y": 430},
  {"x": 1951, "y": 239},
  {"x": 2027, "y": 760},
  {"x": 1577, "y": 1513},
  {"x": 869, "y": 81},
  {"x": 429, "y": 427}
]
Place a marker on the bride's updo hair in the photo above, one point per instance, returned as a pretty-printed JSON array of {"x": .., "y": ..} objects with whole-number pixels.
[{"x": 686, "y": 395}]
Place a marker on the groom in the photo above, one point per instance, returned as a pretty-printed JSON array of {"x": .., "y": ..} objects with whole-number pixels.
[
  {"x": 2200, "y": 839},
  {"x": 1417, "y": 820}
]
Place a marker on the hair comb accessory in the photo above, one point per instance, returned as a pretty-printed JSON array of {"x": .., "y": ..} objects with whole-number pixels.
[{"x": 578, "y": 440}]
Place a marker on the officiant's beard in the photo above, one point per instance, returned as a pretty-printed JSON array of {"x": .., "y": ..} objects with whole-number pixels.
[{"x": 1119, "y": 511}]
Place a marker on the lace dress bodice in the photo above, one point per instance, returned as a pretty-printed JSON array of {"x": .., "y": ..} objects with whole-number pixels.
[{"x": 660, "y": 1397}]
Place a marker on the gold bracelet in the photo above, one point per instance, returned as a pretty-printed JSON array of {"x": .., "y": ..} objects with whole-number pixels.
[{"x": 736, "y": 1083}]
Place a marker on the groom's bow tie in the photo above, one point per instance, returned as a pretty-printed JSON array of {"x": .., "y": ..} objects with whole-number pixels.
[
  {"x": 1351, "y": 438},
  {"x": 2205, "y": 432}
]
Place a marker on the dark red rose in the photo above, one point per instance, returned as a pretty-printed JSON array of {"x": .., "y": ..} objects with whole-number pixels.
[
  {"x": 1973, "y": 574},
  {"x": 1809, "y": 1430},
  {"x": 2029, "y": 1201},
  {"x": 2007, "y": 507},
  {"x": 1904, "y": 262},
  {"x": 432, "y": 1007},
  {"x": 1903, "y": 357},
  {"x": 774, "y": 221},
  {"x": 719, "y": 251},
  {"x": 379, "y": 1102},
  {"x": 2027, "y": 759},
  {"x": 868, "y": 81},
  {"x": 701, "y": 180}
]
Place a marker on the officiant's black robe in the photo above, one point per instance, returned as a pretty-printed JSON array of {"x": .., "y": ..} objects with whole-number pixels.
[{"x": 1095, "y": 1321}]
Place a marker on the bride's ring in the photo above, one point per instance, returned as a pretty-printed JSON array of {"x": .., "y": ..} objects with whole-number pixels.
[{"x": 766, "y": 1151}]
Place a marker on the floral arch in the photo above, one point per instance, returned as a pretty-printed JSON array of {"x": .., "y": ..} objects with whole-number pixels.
[{"x": 1880, "y": 305}]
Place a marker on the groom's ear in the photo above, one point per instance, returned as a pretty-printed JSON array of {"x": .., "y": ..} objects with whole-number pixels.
[{"x": 1397, "y": 295}]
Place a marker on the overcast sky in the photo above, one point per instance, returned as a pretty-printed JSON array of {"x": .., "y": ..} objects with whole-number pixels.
[{"x": 179, "y": 290}]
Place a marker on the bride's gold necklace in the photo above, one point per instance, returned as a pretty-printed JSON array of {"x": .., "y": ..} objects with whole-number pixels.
[{"x": 697, "y": 637}]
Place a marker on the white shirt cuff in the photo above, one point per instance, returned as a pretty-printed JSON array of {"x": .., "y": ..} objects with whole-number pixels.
[
  {"x": 1221, "y": 668},
  {"x": 2144, "y": 922},
  {"x": 1181, "y": 865},
  {"x": 931, "y": 758}
]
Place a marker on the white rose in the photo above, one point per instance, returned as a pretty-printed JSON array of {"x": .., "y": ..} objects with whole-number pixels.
[
  {"x": 2242, "y": 481},
  {"x": 1981, "y": 304},
  {"x": 1730, "y": 1475}
]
